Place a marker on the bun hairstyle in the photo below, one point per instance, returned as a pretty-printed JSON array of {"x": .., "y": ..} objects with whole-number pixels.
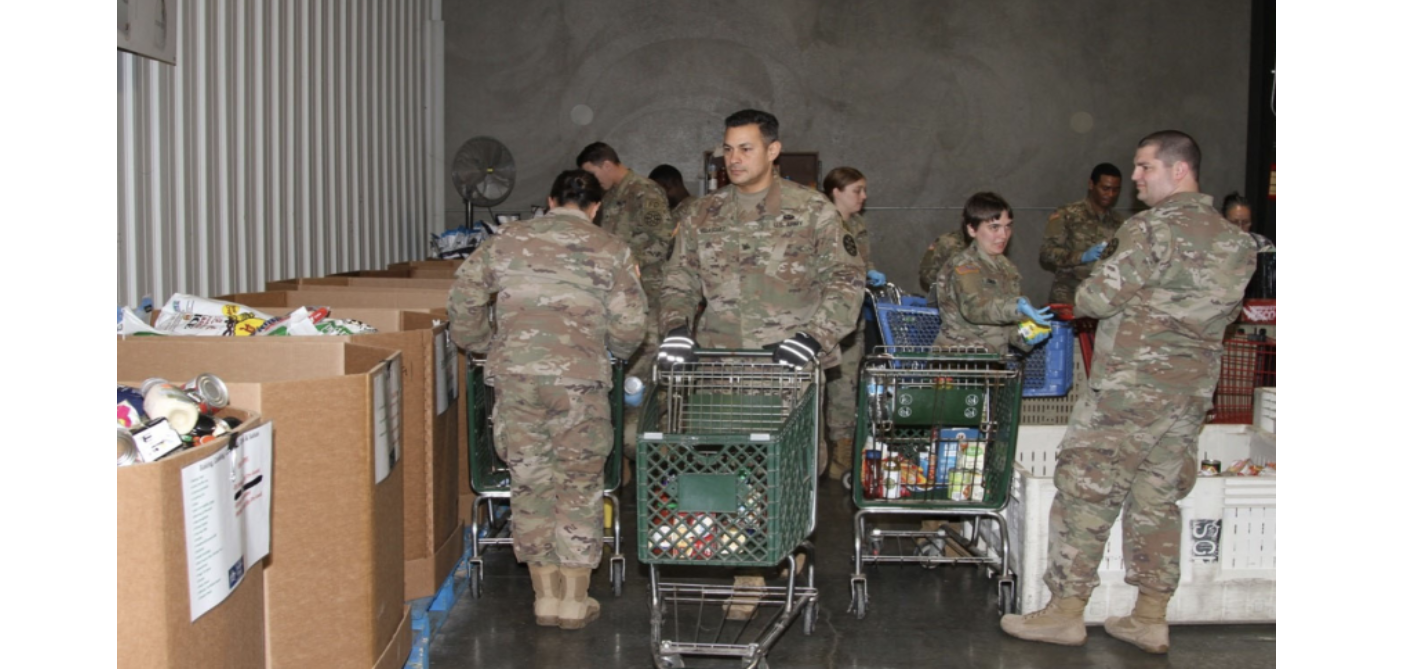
[
  {"x": 577, "y": 187},
  {"x": 840, "y": 178}
]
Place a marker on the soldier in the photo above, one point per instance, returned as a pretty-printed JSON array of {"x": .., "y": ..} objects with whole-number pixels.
[
  {"x": 637, "y": 211},
  {"x": 1077, "y": 233},
  {"x": 936, "y": 256},
  {"x": 565, "y": 291},
  {"x": 671, "y": 181},
  {"x": 980, "y": 292},
  {"x": 770, "y": 259},
  {"x": 1172, "y": 283},
  {"x": 846, "y": 187},
  {"x": 1236, "y": 211}
]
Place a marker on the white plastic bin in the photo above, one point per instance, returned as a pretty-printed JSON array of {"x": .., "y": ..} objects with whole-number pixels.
[{"x": 1230, "y": 579}]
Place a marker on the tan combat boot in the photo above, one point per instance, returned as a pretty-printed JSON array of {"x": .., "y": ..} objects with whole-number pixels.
[
  {"x": 1146, "y": 626},
  {"x": 1060, "y": 622},
  {"x": 546, "y": 581},
  {"x": 577, "y": 608}
]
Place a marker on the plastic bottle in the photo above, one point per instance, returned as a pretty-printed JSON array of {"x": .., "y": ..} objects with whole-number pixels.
[{"x": 162, "y": 399}]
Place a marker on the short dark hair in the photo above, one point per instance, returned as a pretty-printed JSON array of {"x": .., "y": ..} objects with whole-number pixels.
[
  {"x": 840, "y": 178},
  {"x": 1172, "y": 146},
  {"x": 766, "y": 123},
  {"x": 985, "y": 206},
  {"x": 1234, "y": 198},
  {"x": 1104, "y": 169},
  {"x": 578, "y": 187},
  {"x": 671, "y": 180},
  {"x": 597, "y": 153}
]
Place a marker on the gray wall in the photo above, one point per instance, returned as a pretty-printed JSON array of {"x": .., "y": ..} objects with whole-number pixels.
[{"x": 932, "y": 100}]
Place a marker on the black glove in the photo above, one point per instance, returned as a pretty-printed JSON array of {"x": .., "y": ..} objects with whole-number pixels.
[
  {"x": 797, "y": 351},
  {"x": 677, "y": 348}
]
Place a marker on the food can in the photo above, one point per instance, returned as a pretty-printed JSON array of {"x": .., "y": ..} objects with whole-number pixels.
[
  {"x": 127, "y": 449},
  {"x": 1210, "y": 468},
  {"x": 209, "y": 392},
  {"x": 890, "y": 472}
]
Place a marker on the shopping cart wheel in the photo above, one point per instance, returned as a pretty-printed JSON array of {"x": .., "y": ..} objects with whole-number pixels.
[
  {"x": 474, "y": 579},
  {"x": 1007, "y": 597},
  {"x": 617, "y": 574},
  {"x": 859, "y": 598},
  {"x": 673, "y": 662},
  {"x": 846, "y": 480}
]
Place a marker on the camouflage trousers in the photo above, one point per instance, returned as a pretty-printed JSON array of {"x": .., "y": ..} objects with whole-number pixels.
[
  {"x": 555, "y": 439},
  {"x": 1064, "y": 289},
  {"x": 1129, "y": 453},
  {"x": 841, "y": 390}
]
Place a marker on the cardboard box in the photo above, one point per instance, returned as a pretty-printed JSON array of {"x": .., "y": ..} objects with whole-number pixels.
[
  {"x": 465, "y": 495},
  {"x": 155, "y": 628},
  {"x": 427, "y": 264},
  {"x": 446, "y": 274},
  {"x": 334, "y": 577},
  {"x": 346, "y": 297},
  {"x": 361, "y": 282},
  {"x": 431, "y": 533}
]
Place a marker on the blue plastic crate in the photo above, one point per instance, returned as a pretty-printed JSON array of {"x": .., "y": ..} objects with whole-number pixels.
[
  {"x": 1047, "y": 370},
  {"x": 907, "y": 325}
]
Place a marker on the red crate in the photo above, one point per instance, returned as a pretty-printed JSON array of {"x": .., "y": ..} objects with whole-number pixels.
[{"x": 1247, "y": 365}]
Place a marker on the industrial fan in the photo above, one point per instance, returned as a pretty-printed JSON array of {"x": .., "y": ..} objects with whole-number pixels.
[{"x": 483, "y": 172}]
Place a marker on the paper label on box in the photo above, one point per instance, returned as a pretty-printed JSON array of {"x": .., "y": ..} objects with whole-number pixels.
[
  {"x": 383, "y": 458},
  {"x": 440, "y": 372},
  {"x": 395, "y": 408},
  {"x": 226, "y": 510},
  {"x": 157, "y": 440}
]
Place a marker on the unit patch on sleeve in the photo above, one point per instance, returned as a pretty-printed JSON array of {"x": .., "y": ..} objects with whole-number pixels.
[{"x": 849, "y": 242}]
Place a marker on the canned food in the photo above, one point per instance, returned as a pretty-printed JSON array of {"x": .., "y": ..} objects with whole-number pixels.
[
  {"x": 891, "y": 474},
  {"x": 209, "y": 392},
  {"x": 162, "y": 399},
  {"x": 127, "y": 449}
]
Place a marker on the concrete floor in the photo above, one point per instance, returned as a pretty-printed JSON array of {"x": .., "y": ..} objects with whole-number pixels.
[{"x": 918, "y": 618}]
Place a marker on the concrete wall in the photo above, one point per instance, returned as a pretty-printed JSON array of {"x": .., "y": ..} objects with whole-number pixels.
[{"x": 933, "y": 100}]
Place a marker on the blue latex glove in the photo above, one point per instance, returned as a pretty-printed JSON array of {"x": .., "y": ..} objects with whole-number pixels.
[
  {"x": 1093, "y": 253},
  {"x": 1041, "y": 316},
  {"x": 1038, "y": 338},
  {"x": 874, "y": 279}
]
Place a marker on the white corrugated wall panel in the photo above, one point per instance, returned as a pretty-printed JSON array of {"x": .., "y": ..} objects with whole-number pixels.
[{"x": 293, "y": 138}]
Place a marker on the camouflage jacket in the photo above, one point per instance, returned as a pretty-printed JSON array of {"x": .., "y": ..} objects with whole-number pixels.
[
  {"x": 678, "y": 216},
  {"x": 564, "y": 292},
  {"x": 978, "y": 302},
  {"x": 856, "y": 227},
  {"x": 765, "y": 274},
  {"x": 1071, "y": 230},
  {"x": 637, "y": 211},
  {"x": 937, "y": 256},
  {"x": 1165, "y": 296}
]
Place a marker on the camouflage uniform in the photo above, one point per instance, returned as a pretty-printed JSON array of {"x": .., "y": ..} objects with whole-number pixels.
[
  {"x": 637, "y": 211},
  {"x": 978, "y": 302},
  {"x": 841, "y": 380},
  {"x": 767, "y": 273},
  {"x": 1071, "y": 231},
  {"x": 1164, "y": 298},
  {"x": 936, "y": 257},
  {"x": 565, "y": 291}
]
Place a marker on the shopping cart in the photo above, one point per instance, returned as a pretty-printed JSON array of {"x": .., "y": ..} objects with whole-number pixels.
[
  {"x": 491, "y": 478},
  {"x": 936, "y": 433},
  {"x": 727, "y": 478}
]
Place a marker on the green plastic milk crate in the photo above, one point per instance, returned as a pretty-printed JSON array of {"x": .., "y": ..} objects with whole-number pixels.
[{"x": 734, "y": 487}]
